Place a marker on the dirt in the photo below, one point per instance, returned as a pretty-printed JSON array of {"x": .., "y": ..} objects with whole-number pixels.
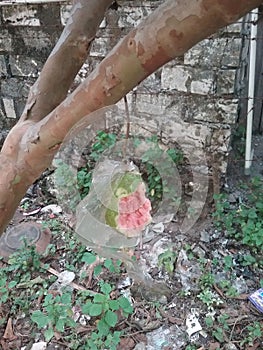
[{"x": 159, "y": 320}]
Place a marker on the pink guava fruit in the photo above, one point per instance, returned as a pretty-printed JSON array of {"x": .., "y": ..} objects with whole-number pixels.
[
  {"x": 133, "y": 209},
  {"x": 134, "y": 212}
]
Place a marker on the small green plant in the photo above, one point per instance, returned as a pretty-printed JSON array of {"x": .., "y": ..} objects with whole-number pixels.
[
  {"x": 209, "y": 298},
  {"x": 255, "y": 332},
  {"x": 167, "y": 259},
  {"x": 206, "y": 280},
  {"x": 66, "y": 184},
  {"x": 218, "y": 334},
  {"x": 103, "y": 141},
  {"x": 56, "y": 315},
  {"x": 104, "y": 310},
  {"x": 227, "y": 288},
  {"x": 228, "y": 262},
  {"x": 244, "y": 223}
]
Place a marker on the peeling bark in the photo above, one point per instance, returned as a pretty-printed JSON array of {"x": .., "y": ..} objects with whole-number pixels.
[{"x": 168, "y": 32}]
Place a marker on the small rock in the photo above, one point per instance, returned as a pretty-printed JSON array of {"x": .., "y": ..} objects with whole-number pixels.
[
  {"x": 199, "y": 252},
  {"x": 126, "y": 282},
  {"x": 158, "y": 228},
  {"x": 232, "y": 198},
  {"x": 140, "y": 346},
  {"x": 240, "y": 284},
  {"x": 64, "y": 279},
  {"x": 204, "y": 237}
]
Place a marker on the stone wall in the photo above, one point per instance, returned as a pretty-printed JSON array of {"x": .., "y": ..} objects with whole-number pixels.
[{"x": 196, "y": 91}]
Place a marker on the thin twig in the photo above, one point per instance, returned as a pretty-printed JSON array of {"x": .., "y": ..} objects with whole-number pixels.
[{"x": 128, "y": 124}]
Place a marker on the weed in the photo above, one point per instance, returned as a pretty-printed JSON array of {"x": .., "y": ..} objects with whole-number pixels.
[
  {"x": 103, "y": 307},
  {"x": 56, "y": 315},
  {"x": 255, "y": 332},
  {"x": 244, "y": 223},
  {"x": 167, "y": 259},
  {"x": 209, "y": 298},
  {"x": 218, "y": 334},
  {"x": 206, "y": 280}
]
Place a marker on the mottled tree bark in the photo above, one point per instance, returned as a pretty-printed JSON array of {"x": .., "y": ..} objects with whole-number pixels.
[{"x": 167, "y": 33}]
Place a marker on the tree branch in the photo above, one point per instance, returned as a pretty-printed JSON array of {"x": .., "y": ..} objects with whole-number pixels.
[{"x": 66, "y": 59}]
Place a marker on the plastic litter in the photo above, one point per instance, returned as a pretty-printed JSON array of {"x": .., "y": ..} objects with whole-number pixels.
[{"x": 256, "y": 299}]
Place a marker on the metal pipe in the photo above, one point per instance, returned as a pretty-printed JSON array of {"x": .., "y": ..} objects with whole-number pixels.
[{"x": 251, "y": 90}]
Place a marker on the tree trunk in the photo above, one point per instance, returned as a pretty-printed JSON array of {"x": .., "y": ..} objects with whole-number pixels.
[{"x": 167, "y": 33}]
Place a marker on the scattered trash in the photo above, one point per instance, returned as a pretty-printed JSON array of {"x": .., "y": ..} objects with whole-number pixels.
[
  {"x": 53, "y": 208},
  {"x": 64, "y": 279},
  {"x": 32, "y": 212},
  {"x": 126, "y": 282},
  {"x": 158, "y": 228},
  {"x": 189, "y": 271},
  {"x": 37, "y": 346},
  {"x": 31, "y": 232},
  {"x": 257, "y": 299},
  {"x": 164, "y": 337},
  {"x": 192, "y": 324}
]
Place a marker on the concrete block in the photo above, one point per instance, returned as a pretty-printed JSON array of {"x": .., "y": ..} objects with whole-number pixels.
[
  {"x": 226, "y": 82},
  {"x": 9, "y": 107},
  {"x": 175, "y": 78},
  {"x": 3, "y": 70},
  {"x": 202, "y": 87},
  {"x": 5, "y": 41},
  {"x": 214, "y": 53},
  {"x": 15, "y": 88},
  {"x": 22, "y": 15},
  {"x": 24, "y": 66}
]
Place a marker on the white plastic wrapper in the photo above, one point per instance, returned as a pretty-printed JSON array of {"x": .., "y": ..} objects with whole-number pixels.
[{"x": 111, "y": 215}]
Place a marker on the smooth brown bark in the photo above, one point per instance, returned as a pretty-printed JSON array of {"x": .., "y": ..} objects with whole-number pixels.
[{"x": 168, "y": 32}]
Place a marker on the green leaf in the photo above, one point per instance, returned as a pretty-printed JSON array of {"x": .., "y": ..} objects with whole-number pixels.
[
  {"x": 103, "y": 328},
  {"x": 97, "y": 270},
  {"x": 66, "y": 298},
  {"x": 125, "y": 305},
  {"x": 40, "y": 319},
  {"x": 88, "y": 258},
  {"x": 111, "y": 318},
  {"x": 85, "y": 308},
  {"x": 105, "y": 288},
  {"x": 48, "y": 334},
  {"x": 99, "y": 298},
  {"x": 12, "y": 284},
  {"x": 95, "y": 310},
  {"x": 60, "y": 325},
  {"x": 114, "y": 304}
]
